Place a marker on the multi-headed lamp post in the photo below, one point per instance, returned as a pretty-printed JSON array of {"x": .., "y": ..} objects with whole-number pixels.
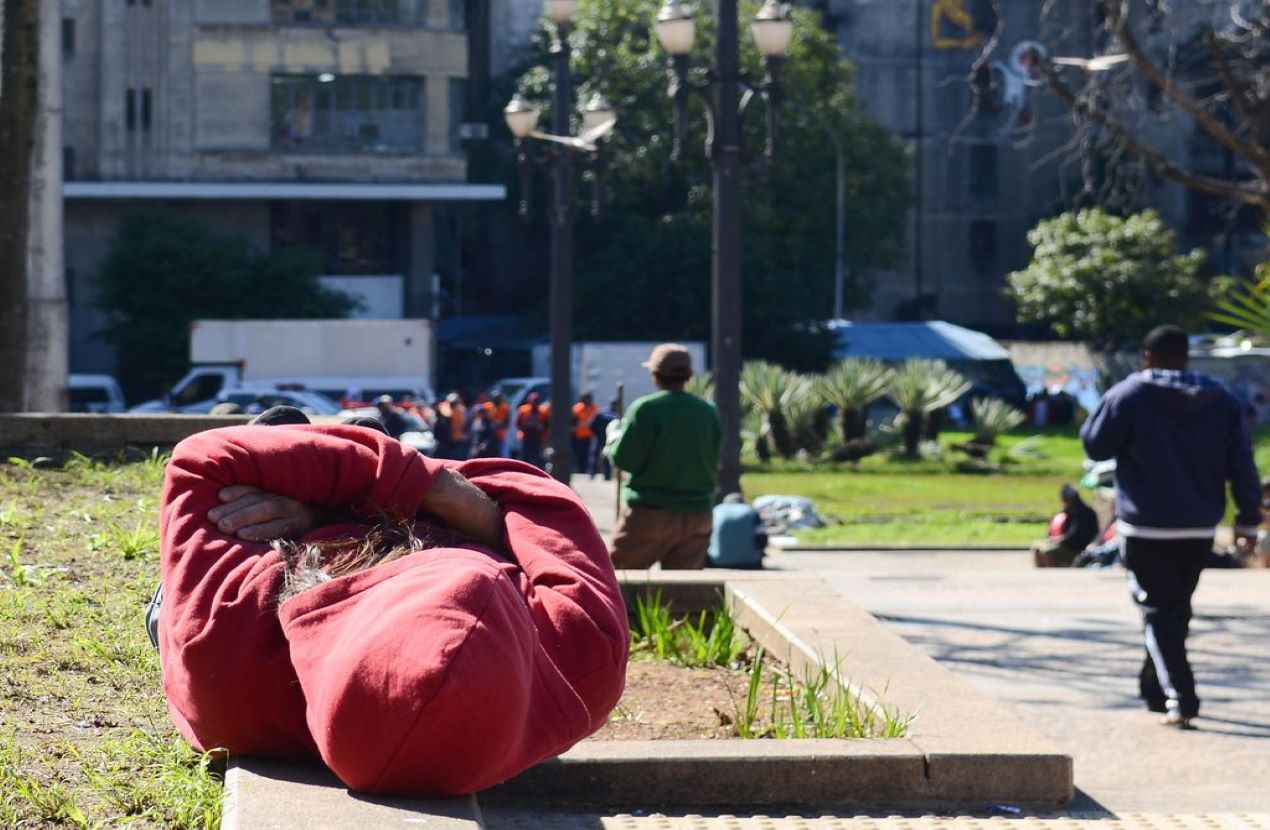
[
  {"x": 772, "y": 30},
  {"x": 558, "y": 148}
]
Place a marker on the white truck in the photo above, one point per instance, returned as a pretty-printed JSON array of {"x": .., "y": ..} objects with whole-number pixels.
[
  {"x": 358, "y": 359},
  {"x": 598, "y": 366}
]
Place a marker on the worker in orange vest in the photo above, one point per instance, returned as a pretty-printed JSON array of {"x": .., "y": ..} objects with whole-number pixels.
[
  {"x": 532, "y": 421},
  {"x": 499, "y": 414},
  {"x": 456, "y": 423},
  {"x": 584, "y": 412}
]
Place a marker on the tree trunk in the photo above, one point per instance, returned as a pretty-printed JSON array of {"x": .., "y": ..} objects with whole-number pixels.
[
  {"x": 912, "y": 434},
  {"x": 48, "y": 335},
  {"x": 19, "y": 93},
  {"x": 852, "y": 424}
]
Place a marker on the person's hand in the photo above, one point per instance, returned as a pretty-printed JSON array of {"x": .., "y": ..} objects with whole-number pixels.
[
  {"x": 257, "y": 516},
  {"x": 1245, "y": 545},
  {"x": 460, "y": 505}
]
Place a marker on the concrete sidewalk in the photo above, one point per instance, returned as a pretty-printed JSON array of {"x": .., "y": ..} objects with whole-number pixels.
[{"x": 1061, "y": 649}]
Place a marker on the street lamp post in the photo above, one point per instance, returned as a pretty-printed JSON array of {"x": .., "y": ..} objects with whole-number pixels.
[
  {"x": 676, "y": 31},
  {"x": 558, "y": 149}
]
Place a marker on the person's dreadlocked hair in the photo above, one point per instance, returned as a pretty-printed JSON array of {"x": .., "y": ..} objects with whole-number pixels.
[{"x": 313, "y": 563}]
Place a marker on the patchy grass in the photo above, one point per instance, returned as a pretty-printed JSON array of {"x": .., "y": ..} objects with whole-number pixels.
[{"x": 85, "y": 740}]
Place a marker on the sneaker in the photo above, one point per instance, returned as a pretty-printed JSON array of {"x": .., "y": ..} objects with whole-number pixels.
[{"x": 1178, "y": 721}]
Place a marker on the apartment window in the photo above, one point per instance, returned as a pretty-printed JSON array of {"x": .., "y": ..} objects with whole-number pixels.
[
  {"x": 458, "y": 113},
  {"x": 145, "y": 108},
  {"x": 348, "y": 12},
  {"x": 347, "y": 114},
  {"x": 458, "y": 14},
  {"x": 354, "y": 237},
  {"x": 983, "y": 170},
  {"x": 68, "y": 37},
  {"x": 130, "y": 109},
  {"x": 68, "y": 163},
  {"x": 983, "y": 246}
]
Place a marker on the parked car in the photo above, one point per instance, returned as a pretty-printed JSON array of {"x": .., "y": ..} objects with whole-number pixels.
[
  {"x": 419, "y": 435},
  {"x": 258, "y": 400},
  {"x": 94, "y": 393}
]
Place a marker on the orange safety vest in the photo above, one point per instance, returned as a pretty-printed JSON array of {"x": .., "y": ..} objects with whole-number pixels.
[
  {"x": 498, "y": 414},
  {"x": 582, "y": 417},
  {"x": 458, "y": 420}
]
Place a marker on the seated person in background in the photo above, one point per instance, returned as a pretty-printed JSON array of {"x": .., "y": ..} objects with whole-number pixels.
[
  {"x": 426, "y": 628},
  {"x": 1070, "y": 532},
  {"x": 738, "y": 537}
]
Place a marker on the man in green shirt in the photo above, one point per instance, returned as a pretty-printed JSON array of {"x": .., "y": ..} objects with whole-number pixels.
[{"x": 668, "y": 443}]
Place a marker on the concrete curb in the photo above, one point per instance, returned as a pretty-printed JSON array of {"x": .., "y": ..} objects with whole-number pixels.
[
  {"x": 56, "y": 433},
  {"x": 963, "y": 749}
]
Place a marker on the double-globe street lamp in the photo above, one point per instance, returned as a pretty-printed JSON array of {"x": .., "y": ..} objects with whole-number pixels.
[
  {"x": 558, "y": 148},
  {"x": 772, "y": 30}
]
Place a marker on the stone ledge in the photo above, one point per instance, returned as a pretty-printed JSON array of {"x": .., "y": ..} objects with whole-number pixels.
[
  {"x": 963, "y": 748},
  {"x": 52, "y": 433},
  {"x": 281, "y": 796}
]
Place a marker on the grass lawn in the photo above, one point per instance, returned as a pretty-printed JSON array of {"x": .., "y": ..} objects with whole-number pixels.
[
  {"x": 85, "y": 739},
  {"x": 887, "y": 501}
]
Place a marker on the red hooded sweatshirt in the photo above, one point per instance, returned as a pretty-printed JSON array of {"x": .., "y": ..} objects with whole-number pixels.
[{"x": 439, "y": 673}]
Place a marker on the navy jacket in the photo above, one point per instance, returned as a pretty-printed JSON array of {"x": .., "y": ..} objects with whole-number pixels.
[{"x": 1177, "y": 438}]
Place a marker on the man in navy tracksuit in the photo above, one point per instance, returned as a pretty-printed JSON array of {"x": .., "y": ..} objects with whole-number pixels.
[{"x": 1178, "y": 437}]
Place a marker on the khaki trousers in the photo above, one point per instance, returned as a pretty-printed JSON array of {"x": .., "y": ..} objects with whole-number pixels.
[{"x": 646, "y": 535}]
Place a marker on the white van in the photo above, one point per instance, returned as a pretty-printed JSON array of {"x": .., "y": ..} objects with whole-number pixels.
[
  {"x": 93, "y": 393},
  {"x": 197, "y": 391}
]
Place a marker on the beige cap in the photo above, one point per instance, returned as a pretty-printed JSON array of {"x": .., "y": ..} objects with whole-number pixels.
[{"x": 671, "y": 360}]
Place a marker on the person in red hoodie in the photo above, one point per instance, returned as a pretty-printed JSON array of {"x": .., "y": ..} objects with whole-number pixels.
[{"x": 433, "y": 628}]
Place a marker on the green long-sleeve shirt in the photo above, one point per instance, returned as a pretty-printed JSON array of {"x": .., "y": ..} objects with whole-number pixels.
[{"x": 669, "y": 445}]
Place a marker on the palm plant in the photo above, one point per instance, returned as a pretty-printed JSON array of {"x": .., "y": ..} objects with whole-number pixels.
[
  {"x": 808, "y": 417},
  {"x": 993, "y": 417},
  {"x": 851, "y": 385},
  {"x": 1247, "y": 306},
  {"x": 770, "y": 390},
  {"x": 920, "y": 387},
  {"x": 701, "y": 385}
]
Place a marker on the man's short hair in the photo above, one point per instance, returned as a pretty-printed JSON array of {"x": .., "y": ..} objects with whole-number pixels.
[{"x": 1167, "y": 342}]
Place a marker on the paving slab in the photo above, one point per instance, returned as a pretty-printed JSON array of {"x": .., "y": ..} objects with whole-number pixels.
[
  {"x": 1061, "y": 648},
  {"x": 272, "y": 795}
]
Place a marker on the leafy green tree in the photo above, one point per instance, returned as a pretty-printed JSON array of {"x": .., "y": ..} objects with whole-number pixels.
[
  {"x": 1107, "y": 279},
  {"x": 644, "y": 267},
  {"x": 163, "y": 272}
]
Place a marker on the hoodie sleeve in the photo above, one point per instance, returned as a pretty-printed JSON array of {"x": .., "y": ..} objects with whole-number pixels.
[
  {"x": 1107, "y": 430},
  {"x": 226, "y": 669},
  {"x": 569, "y": 582},
  {"x": 1245, "y": 483}
]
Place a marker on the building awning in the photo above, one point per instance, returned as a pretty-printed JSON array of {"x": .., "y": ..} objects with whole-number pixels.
[
  {"x": 250, "y": 191},
  {"x": 934, "y": 339}
]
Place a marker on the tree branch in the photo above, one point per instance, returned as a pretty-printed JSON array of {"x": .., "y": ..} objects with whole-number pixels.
[
  {"x": 1118, "y": 20},
  {"x": 1255, "y": 192}
]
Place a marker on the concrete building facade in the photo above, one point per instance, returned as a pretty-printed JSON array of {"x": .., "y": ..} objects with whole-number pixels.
[
  {"x": 983, "y": 176},
  {"x": 331, "y": 124}
]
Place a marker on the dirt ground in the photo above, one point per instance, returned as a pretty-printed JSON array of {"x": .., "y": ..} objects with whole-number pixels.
[{"x": 668, "y": 702}]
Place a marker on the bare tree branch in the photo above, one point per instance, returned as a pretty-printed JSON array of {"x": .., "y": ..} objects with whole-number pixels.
[
  {"x": 1118, "y": 20},
  {"x": 1256, "y": 192}
]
